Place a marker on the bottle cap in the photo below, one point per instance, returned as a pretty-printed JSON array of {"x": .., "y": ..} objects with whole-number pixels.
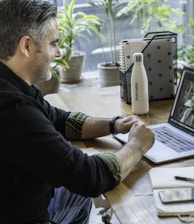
[{"x": 138, "y": 57}]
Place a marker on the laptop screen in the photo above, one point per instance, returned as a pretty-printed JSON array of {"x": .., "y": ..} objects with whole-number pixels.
[{"x": 182, "y": 112}]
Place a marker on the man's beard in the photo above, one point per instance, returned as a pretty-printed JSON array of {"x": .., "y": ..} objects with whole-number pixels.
[{"x": 46, "y": 77}]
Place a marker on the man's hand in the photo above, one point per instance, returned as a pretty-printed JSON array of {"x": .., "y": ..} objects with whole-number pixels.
[
  {"x": 141, "y": 137},
  {"x": 124, "y": 123}
]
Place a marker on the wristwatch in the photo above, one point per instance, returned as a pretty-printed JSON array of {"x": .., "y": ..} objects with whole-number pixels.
[{"x": 112, "y": 124}]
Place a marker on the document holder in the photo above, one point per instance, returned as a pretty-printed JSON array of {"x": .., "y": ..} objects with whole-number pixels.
[{"x": 160, "y": 61}]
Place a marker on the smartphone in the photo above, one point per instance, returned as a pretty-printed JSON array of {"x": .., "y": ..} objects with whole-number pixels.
[{"x": 177, "y": 195}]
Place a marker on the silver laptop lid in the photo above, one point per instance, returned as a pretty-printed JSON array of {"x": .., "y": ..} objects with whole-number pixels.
[{"x": 182, "y": 112}]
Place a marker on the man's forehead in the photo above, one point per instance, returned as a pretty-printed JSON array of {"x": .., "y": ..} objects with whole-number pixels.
[{"x": 53, "y": 28}]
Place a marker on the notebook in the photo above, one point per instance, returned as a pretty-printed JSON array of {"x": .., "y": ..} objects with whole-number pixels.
[
  {"x": 174, "y": 139},
  {"x": 168, "y": 182}
]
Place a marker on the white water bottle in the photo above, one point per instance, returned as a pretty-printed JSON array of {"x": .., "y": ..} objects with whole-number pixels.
[{"x": 139, "y": 86}]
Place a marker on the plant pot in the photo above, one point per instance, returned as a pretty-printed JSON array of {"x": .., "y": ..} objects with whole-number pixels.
[
  {"x": 74, "y": 72},
  {"x": 109, "y": 75}
]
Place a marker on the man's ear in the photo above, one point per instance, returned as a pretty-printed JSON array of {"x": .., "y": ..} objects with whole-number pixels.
[{"x": 26, "y": 46}]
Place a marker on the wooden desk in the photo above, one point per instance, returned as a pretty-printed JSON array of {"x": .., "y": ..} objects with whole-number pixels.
[{"x": 132, "y": 201}]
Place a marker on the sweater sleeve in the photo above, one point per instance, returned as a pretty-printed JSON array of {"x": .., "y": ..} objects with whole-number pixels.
[
  {"x": 113, "y": 164},
  {"x": 73, "y": 125},
  {"x": 69, "y": 124}
]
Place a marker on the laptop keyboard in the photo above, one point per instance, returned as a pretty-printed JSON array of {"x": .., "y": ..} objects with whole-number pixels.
[{"x": 172, "y": 139}]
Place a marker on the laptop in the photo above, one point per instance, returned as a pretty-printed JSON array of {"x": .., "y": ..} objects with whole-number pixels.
[{"x": 174, "y": 139}]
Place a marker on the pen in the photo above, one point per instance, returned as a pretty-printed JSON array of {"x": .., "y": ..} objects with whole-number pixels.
[{"x": 184, "y": 178}]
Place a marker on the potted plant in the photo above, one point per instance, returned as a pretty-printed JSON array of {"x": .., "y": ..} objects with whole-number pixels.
[
  {"x": 71, "y": 26},
  {"x": 109, "y": 74}
]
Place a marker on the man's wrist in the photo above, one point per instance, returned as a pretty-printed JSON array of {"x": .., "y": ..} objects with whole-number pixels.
[{"x": 112, "y": 125}]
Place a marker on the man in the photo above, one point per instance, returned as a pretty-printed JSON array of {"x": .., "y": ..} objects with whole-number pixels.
[{"x": 45, "y": 179}]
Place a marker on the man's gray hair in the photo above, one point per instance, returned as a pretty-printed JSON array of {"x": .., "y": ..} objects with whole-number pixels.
[{"x": 23, "y": 17}]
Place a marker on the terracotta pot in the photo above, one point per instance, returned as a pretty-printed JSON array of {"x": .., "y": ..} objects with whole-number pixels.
[{"x": 108, "y": 75}]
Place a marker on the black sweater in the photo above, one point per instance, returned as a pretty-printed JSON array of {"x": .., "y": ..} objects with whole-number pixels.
[{"x": 35, "y": 157}]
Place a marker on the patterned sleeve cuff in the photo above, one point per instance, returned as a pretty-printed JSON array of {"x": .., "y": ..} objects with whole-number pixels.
[
  {"x": 73, "y": 125},
  {"x": 112, "y": 163}
]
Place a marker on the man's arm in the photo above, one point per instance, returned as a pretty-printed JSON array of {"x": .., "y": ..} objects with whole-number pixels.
[
  {"x": 124, "y": 160},
  {"x": 94, "y": 127},
  {"x": 121, "y": 163},
  {"x": 141, "y": 139}
]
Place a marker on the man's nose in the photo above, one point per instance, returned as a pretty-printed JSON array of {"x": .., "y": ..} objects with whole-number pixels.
[{"x": 59, "y": 53}]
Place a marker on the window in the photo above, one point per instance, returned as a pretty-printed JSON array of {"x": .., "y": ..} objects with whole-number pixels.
[{"x": 125, "y": 29}]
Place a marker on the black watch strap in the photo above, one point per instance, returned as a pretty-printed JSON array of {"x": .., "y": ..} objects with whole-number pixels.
[{"x": 112, "y": 124}]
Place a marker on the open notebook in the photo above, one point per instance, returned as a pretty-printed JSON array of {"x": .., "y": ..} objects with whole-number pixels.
[{"x": 175, "y": 138}]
